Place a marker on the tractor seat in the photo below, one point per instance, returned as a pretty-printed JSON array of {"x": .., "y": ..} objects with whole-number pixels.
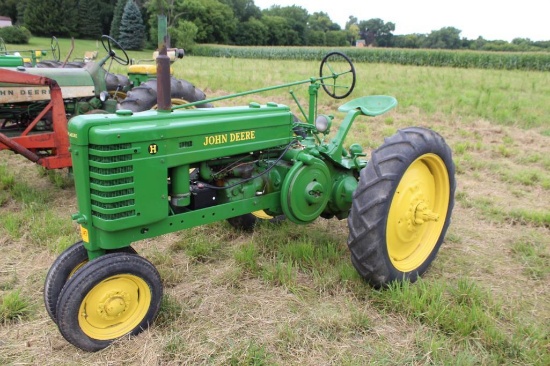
[
  {"x": 37, "y": 56},
  {"x": 372, "y": 105},
  {"x": 145, "y": 69}
]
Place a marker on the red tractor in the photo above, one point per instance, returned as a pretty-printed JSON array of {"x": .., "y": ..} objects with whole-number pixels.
[{"x": 38, "y": 97}]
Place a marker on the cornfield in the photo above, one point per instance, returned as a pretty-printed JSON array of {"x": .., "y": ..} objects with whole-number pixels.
[{"x": 434, "y": 58}]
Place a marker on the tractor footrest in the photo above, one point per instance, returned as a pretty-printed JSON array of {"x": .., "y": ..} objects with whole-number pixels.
[{"x": 372, "y": 105}]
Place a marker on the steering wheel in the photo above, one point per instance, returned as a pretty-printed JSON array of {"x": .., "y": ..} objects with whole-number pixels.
[
  {"x": 56, "y": 52},
  {"x": 337, "y": 66},
  {"x": 107, "y": 43}
]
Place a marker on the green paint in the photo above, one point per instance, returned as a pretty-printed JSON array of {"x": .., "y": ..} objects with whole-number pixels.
[{"x": 140, "y": 175}]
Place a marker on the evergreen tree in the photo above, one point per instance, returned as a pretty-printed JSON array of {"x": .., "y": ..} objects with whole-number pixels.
[
  {"x": 106, "y": 8},
  {"x": 9, "y": 8},
  {"x": 21, "y": 6},
  {"x": 88, "y": 19},
  {"x": 132, "y": 29},
  {"x": 117, "y": 17},
  {"x": 51, "y": 17}
]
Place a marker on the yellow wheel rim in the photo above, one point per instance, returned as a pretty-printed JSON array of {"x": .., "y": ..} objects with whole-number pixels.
[
  {"x": 119, "y": 95},
  {"x": 262, "y": 215},
  {"x": 114, "y": 307},
  {"x": 175, "y": 101},
  {"x": 417, "y": 213},
  {"x": 77, "y": 267}
]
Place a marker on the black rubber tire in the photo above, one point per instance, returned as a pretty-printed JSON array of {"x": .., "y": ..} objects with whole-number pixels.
[
  {"x": 59, "y": 64},
  {"x": 117, "y": 82},
  {"x": 368, "y": 219},
  {"x": 110, "y": 268},
  {"x": 73, "y": 65},
  {"x": 64, "y": 266},
  {"x": 48, "y": 64},
  {"x": 144, "y": 96},
  {"x": 248, "y": 222}
]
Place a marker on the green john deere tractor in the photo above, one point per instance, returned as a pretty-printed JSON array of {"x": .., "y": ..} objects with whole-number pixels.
[{"x": 139, "y": 175}]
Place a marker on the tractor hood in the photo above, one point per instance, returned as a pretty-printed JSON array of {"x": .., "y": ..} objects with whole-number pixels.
[{"x": 74, "y": 83}]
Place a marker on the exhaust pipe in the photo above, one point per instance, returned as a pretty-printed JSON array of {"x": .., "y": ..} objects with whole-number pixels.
[{"x": 164, "y": 103}]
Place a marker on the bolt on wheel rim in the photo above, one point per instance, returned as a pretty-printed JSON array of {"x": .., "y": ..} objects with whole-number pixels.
[
  {"x": 114, "y": 307},
  {"x": 417, "y": 213}
]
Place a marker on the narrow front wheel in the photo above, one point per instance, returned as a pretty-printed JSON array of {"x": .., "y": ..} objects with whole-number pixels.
[
  {"x": 112, "y": 296},
  {"x": 64, "y": 266}
]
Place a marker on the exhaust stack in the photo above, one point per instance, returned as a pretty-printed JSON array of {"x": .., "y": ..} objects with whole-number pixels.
[{"x": 164, "y": 103}]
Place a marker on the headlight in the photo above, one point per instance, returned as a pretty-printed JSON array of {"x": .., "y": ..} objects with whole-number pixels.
[
  {"x": 103, "y": 96},
  {"x": 322, "y": 123}
]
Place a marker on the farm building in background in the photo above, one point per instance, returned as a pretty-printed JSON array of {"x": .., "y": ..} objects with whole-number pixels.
[{"x": 5, "y": 21}]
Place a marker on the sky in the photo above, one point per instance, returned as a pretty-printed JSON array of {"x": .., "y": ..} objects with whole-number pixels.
[{"x": 490, "y": 19}]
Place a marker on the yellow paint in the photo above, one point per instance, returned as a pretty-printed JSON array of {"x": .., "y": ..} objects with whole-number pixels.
[
  {"x": 229, "y": 137},
  {"x": 145, "y": 69},
  {"x": 417, "y": 212},
  {"x": 142, "y": 69},
  {"x": 84, "y": 234},
  {"x": 114, "y": 307},
  {"x": 262, "y": 215}
]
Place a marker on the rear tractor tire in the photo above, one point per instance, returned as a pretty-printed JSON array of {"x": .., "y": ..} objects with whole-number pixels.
[
  {"x": 110, "y": 297},
  {"x": 402, "y": 207},
  {"x": 248, "y": 222},
  {"x": 144, "y": 96},
  {"x": 117, "y": 82}
]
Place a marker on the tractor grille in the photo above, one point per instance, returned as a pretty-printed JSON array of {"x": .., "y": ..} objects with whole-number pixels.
[
  {"x": 116, "y": 147},
  {"x": 112, "y": 205},
  {"x": 112, "y": 191},
  {"x": 111, "y": 217},
  {"x": 122, "y": 192},
  {"x": 111, "y": 159},
  {"x": 114, "y": 182},
  {"x": 110, "y": 171}
]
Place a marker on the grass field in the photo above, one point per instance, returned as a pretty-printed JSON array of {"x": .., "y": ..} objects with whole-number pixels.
[{"x": 287, "y": 294}]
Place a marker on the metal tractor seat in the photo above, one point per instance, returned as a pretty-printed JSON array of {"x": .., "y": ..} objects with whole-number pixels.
[{"x": 372, "y": 105}]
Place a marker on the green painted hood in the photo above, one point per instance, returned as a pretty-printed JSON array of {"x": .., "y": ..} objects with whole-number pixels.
[
  {"x": 74, "y": 83},
  {"x": 64, "y": 77}
]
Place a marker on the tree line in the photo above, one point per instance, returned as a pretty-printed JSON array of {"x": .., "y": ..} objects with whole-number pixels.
[{"x": 234, "y": 22}]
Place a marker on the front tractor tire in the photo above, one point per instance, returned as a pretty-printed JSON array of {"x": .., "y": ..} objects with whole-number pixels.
[
  {"x": 64, "y": 266},
  {"x": 112, "y": 296},
  {"x": 402, "y": 207}
]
